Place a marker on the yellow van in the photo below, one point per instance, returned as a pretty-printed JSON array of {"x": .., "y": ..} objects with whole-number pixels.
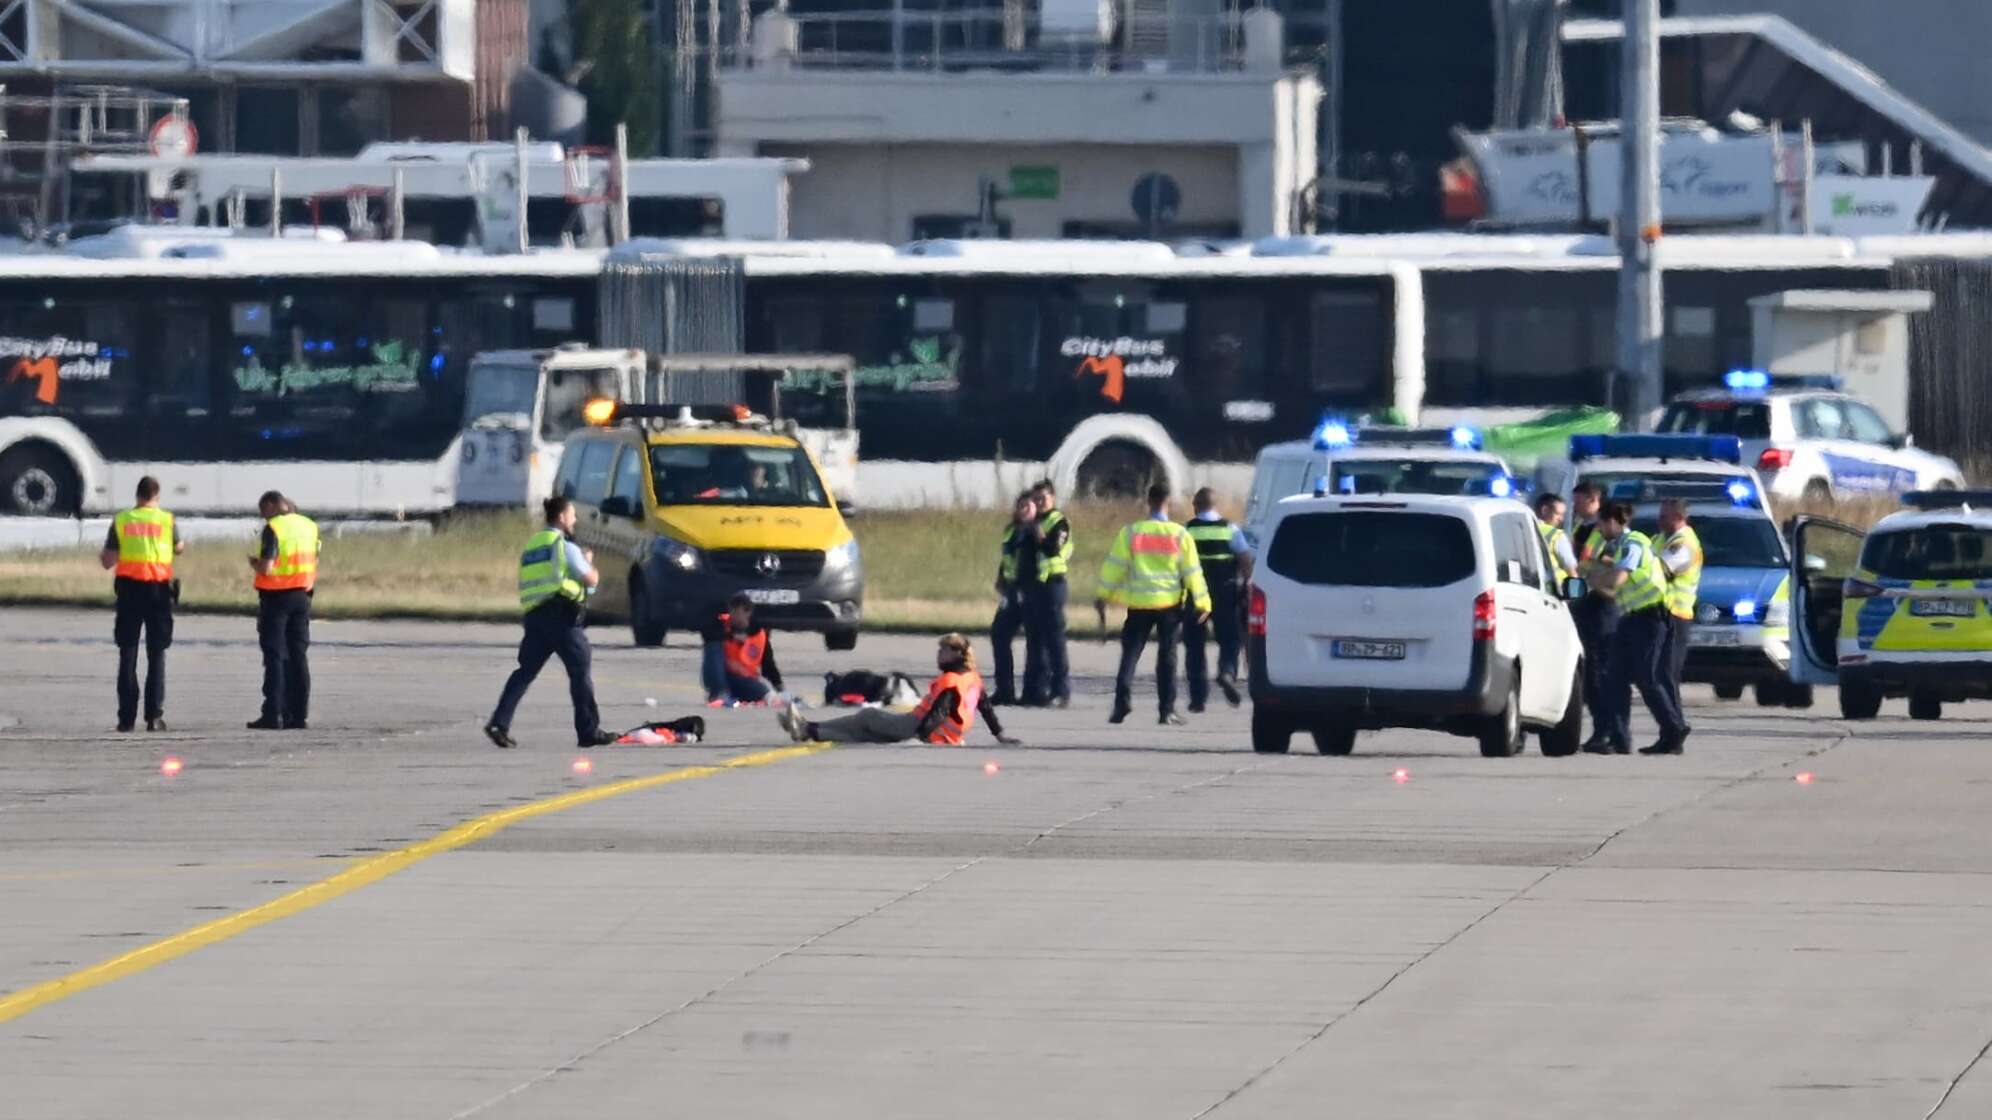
[{"x": 685, "y": 507}]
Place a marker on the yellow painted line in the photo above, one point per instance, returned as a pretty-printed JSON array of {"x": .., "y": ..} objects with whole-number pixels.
[{"x": 16, "y": 1004}]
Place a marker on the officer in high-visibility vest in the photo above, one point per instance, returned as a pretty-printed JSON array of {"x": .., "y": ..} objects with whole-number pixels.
[
  {"x": 286, "y": 568},
  {"x": 1152, "y": 570},
  {"x": 1549, "y": 522},
  {"x": 1680, "y": 550},
  {"x": 1016, "y": 562},
  {"x": 140, "y": 551},
  {"x": 1226, "y": 560},
  {"x": 1639, "y": 650},
  {"x": 1047, "y": 673},
  {"x": 555, "y": 578},
  {"x": 1595, "y": 615}
]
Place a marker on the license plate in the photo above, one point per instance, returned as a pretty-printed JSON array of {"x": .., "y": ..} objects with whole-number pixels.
[
  {"x": 1368, "y": 651},
  {"x": 1714, "y": 638},
  {"x": 1943, "y": 608},
  {"x": 773, "y": 597}
]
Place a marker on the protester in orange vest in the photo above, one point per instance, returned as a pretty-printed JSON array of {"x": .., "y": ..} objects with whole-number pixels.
[
  {"x": 140, "y": 551},
  {"x": 943, "y": 718},
  {"x": 286, "y": 568},
  {"x": 739, "y": 663}
]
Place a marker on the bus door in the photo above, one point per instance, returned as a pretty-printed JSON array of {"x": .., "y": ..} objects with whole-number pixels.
[{"x": 1824, "y": 553}]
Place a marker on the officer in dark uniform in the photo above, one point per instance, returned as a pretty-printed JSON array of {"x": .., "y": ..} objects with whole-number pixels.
[
  {"x": 1047, "y": 675},
  {"x": 1016, "y": 568},
  {"x": 140, "y": 551},
  {"x": 1226, "y": 559},
  {"x": 1597, "y": 614}
]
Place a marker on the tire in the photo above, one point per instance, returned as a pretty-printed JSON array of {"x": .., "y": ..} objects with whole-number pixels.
[
  {"x": 1271, "y": 734},
  {"x": 841, "y": 640},
  {"x": 1729, "y": 692},
  {"x": 1924, "y": 706},
  {"x": 1563, "y": 740},
  {"x": 1333, "y": 738},
  {"x": 1859, "y": 701},
  {"x": 38, "y": 482},
  {"x": 644, "y": 629},
  {"x": 1798, "y": 696},
  {"x": 1769, "y": 694},
  {"x": 1818, "y": 495},
  {"x": 1501, "y": 735}
]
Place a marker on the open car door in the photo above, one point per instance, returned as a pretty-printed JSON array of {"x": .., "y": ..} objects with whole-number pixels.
[{"x": 1823, "y": 554}]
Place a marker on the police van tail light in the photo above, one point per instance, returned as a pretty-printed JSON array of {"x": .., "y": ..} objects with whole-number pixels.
[
  {"x": 1484, "y": 612},
  {"x": 1859, "y": 589},
  {"x": 1255, "y": 613},
  {"x": 1774, "y": 459}
]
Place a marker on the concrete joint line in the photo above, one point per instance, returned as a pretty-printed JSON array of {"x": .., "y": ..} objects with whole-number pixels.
[
  {"x": 366, "y": 872},
  {"x": 1531, "y": 885},
  {"x": 574, "y": 1062}
]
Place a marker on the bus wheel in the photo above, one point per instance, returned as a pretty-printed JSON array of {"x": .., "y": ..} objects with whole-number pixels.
[
  {"x": 1118, "y": 469},
  {"x": 38, "y": 483},
  {"x": 644, "y": 628}
]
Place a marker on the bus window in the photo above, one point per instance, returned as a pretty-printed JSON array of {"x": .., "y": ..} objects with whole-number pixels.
[
  {"x": 417, "y": 417},
  {"x": 1535, "y": 355},
  {"x": 68, "y": 357},
  {"x": 1119, "y": 345},
  {"x": 1348, "y": 358},
  {"x": 1011, "y": 343}
]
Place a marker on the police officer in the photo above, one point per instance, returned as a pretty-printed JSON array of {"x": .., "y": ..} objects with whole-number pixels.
[
  {"x": 286, "y": 568},
  {"x": 1226, "y": 560},
  {"x": 1681, "y": 555},
  {"x": 1639, "y": 651},
  {"x": 1152, "y": 570},
  {"x": 1016, "y": 564},
  {"x": 139, "y": 552},
  {"x": 1549, "y": 522},
  {"x": 1596, "y": 615},
  {"x": 1047, "y": 674},
  {"x": 555, "y": 578}
]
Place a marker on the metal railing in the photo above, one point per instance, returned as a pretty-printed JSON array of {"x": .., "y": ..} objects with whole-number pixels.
[{"x": 1000, "y": 39}]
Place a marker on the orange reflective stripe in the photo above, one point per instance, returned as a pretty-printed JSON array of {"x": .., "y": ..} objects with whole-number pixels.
[
  {"x": 1159, "y": 543},
  {"x": 144, "y": 571},
  {"x": 296, "y": 563}
]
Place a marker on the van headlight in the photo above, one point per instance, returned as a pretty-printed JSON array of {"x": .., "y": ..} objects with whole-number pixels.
[
  {"x": 678, "y": 554},
  {"x": 841, "y": 557}
]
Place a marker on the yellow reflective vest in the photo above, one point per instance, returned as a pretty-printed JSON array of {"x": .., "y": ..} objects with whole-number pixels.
[
  {"x": 1646, "y": 585},
  {"x": 1684, "y": 585},
  {"x": 543, "y": 572},
  {"x": 1153, "y": 566},
  {"x": 296, "y": 563},
  {"x": 145, "y": 545}
]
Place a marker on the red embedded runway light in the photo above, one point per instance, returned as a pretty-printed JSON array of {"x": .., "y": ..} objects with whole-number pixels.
[
  {"x": 1400, "y": 775},
  {"x": 170, "y": 766},
  {"x": 584, "y": 766},
  {"x": 1803, "y": 777},
  {"x": 990, "y": 767}
]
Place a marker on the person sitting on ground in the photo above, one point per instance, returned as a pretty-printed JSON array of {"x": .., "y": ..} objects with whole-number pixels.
[
  {"x": 739, "y": 665},
  {"x": 944, "y": 718}
]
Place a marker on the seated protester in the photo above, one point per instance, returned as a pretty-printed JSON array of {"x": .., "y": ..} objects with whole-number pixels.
[
  {"x": 943, "y": 718},
  {"x": 739, "y": 663}
]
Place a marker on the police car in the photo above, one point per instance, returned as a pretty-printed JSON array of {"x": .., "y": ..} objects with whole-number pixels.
[
  {"x": 1807, "y": 440},
  {"x": 1903, "y": 610},
  {"x": 1346, "y": 458},
  {"x": 1741, "y": 636}
]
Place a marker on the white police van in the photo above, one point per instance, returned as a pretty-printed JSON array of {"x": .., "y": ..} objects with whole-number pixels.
[
  {"x": 1411, "y": 610},
  {"x": 1344, "y": 458},
  {"x": 1808, "y": 441}
]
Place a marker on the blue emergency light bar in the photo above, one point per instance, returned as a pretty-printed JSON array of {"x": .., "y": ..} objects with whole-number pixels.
[
  {"x": 1335, "y": 434},
  {"x": 1947, "y": 499},
  {"x": 1716, "y": 449},
  {"x": 1330, "y": 435},
  {"x": 1757, "y": 381}
]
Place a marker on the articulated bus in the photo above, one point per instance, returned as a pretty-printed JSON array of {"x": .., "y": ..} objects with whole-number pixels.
[{"x": 978, "y": 365}]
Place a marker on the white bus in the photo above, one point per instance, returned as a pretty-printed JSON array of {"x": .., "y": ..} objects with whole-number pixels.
[{"x": 227, "y": 367}]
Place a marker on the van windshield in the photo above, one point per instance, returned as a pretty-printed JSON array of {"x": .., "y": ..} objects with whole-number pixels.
[
  {"x": 1938, "y": 551},
  {"x": 1743, "y": 419},
  {"x": 1413, "y": 476},
  {"x": 1372, "y": 548},
  {"x": 734, "y": 475},
  {"x": 1730, "y": 542}
]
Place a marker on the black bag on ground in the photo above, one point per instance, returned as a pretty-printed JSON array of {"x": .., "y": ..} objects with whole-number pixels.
[{"x": 859, "y": 687}]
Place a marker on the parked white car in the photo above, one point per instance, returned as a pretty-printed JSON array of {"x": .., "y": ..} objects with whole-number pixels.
[{"x": 1411, "y": 611}]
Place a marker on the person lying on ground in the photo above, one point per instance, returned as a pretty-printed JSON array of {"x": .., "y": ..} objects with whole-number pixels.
[{"x": 944, "y": 718}]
